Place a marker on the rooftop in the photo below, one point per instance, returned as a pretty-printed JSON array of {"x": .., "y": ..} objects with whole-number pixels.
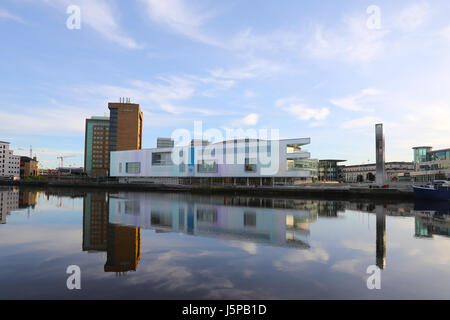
[
  {"x": 441, "y": 150},
  {"x": 99, "y": 118}
]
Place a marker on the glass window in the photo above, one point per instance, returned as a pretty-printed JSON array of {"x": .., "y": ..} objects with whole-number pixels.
[
  {"x": 162, "y": 159},
  {"x": 207, "y": 167},
  {"x": 133, "y": 167},
  {"x": 250, "y": 165},
  {"x": 293, "y": 148}
]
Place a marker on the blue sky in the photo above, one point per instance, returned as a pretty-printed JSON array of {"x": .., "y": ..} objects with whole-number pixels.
[{"x": 306, "y": 68}]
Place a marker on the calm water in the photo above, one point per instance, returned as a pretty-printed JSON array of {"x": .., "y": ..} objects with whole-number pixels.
[{"x": 175, "y": 246}]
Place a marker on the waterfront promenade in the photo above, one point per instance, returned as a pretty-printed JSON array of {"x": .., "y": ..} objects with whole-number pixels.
[{"x": 316, "y": 190}]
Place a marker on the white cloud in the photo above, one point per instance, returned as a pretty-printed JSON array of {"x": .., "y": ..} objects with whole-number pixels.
[
  {"x": 44, "y": 121},
  {"x": 164, "y": 94},
  {"x": 365, "y": 122},
  {"x": 249, "y": 247},
  {"x": 100, "y": 15},
  {"x": 354, "y": 42},
  {"x": 414, "y": 16},
  {"x": 356, "y": 102},
  {"x": 249, "y": 94},
  {"x": 257, "y": 68},
  {"x": 297, "y": 258},
  {"x": 180, "y": 17},
  {"x": 302, "y": 112},
  {"x": 249, "y": 120},
  {"x": 6, "y": 15},
  {"x": 446, "y": 33},
  {"x": 348, "y": 266}
]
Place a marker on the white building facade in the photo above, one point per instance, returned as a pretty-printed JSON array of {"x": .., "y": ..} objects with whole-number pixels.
[
  {"x": 9, "y": 163},
  {"x": 239, "y": 161},
  {"x": 367, "y": 172},
  {"x": 9, "y": 201}
]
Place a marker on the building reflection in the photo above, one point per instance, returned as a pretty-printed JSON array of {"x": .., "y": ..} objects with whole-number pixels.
[
  {"x": 113, "y": 223},
  {"x": 278, "y": 222},
  {"x": 13, "y": 199},
  {"x": 432, "y": 218},
  {"x": 9, "y": 201},
  {"x": 381, "y": 236},
  {"x": 121, "y": 243},
  {"x": 27, "y": 199}
]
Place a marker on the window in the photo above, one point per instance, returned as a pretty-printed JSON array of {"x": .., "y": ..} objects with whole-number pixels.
[
  {"x": 250, "y": 165},
  {"x": 162, "y": 159},
  {"x": 207, "y": 215},
  {"x": 302, "y": 165},
  {"x": 293, "y": 148},
  {"x": 133, "y": 167},
  {"x": 207, "y": 167},
  {"x": 250, "y": 219}
]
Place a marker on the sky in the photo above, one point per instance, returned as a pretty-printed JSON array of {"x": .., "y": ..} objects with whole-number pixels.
[{"x": 327, "y": 70}]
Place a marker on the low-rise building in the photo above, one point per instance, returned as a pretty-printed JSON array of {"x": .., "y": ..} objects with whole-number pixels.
[
  {"x": 367, "y": 172},
  {"x": 29, "y": 167},
  {"x": 9, "y": 163},
  {"x": 431, "y": 164},
  {"x": 237, "y": 162},
  {"x": 329, "y": 171}
]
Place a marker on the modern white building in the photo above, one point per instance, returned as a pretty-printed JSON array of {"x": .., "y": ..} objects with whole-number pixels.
[
  {"x": 9, "y": 163},
  {"x": 237, "y": 162},
  {"x": 9, "y": 201}
]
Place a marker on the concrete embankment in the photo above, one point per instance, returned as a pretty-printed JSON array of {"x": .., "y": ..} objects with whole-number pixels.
[{"x": 313, "y": 191}]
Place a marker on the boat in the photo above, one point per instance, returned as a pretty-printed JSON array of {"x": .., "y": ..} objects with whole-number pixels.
[{"x": 439, "y": 190}]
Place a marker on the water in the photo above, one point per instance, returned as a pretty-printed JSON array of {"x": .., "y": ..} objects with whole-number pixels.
[{"x": 178, "y": 246}]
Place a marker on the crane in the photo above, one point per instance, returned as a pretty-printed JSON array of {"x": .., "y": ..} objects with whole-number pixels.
[{"x": 62, "y": 159}]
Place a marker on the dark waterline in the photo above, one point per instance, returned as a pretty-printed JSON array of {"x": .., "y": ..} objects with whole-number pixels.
[{"x": 181, "y": 246}]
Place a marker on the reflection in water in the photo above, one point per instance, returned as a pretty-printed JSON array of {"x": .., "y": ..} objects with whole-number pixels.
[
  {"x": 11, "y": 199},
  {"x": 432, "y": 218},
  {"x": 381, "y": 237},
  {"x": 284, "y": 248},
  {"x": 113, "y": 224},
  {"x": 122, "y": 243},
  {"x": 283, "y": 223}
]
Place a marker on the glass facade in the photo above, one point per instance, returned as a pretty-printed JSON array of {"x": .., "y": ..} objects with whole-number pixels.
[
  {"x": 439, "y": 155},
  {"x": 311, "y": 165},
  {"x": 420, "y": 155},
  {"x": 329, "y": 171}
]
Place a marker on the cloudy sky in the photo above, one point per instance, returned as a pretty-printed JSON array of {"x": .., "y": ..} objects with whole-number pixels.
[{"x": 328, "y": 71}]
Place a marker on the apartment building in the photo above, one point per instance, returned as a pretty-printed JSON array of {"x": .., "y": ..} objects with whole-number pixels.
[
  {"x": 9, "y": 163},
  {"x": 122, "y": 130},
  {"x": 96, "y": 146}
]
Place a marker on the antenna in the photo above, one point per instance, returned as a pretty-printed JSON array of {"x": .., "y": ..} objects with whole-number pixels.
[{"x": 31, "y": 151}]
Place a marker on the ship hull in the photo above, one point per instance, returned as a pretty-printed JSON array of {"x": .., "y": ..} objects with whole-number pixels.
[{"x": 442, "y": 193}]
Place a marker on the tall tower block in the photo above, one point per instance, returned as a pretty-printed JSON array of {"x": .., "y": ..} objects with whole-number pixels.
[
  {"x": 380, "y": 155},
  {"x": 126, "y": 121}
]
